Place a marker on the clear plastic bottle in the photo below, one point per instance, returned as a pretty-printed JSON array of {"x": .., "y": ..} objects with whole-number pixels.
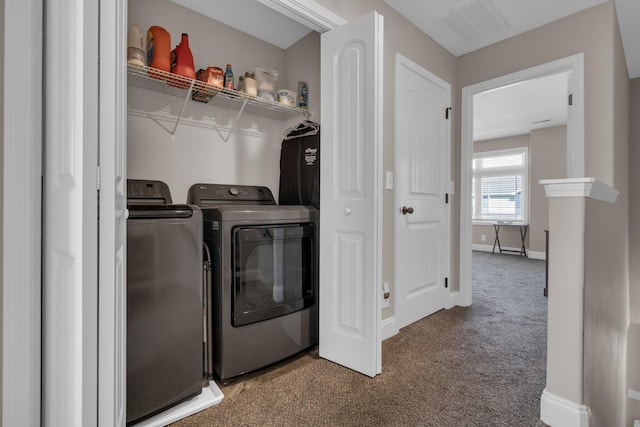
[
  {"x": 135, "y": 48},
  {"x": 303, "y": 95},
  {"x": 228, "y": 78},
  {"x": 250, "y": 86}
]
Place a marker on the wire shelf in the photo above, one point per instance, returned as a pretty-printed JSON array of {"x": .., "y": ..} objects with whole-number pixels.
[{"x": 189, "y": 89}]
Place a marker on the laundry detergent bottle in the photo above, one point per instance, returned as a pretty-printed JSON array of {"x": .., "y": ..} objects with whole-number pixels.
[
  {"x": 182, "y": 63},
  {"x": 158, "y": 51}
]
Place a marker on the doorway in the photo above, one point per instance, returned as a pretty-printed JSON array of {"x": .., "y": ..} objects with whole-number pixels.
[
  {"x": 573, "y": 66},
  {"x": 112, "y": 17}
]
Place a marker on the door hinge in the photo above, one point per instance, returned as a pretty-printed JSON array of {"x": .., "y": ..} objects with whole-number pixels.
[
  {"x": 446, "y": 113},
  {"x": 446, "y": 198},
  {"x": 446, "y": 282},
  {"x": 570, "y": 99}
]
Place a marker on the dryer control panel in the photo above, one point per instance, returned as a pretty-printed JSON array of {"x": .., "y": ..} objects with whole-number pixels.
[{"x": 224, "y": 194}]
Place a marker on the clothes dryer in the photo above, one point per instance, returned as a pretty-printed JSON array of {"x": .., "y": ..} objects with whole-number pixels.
[{"x": 264, "y": 278}]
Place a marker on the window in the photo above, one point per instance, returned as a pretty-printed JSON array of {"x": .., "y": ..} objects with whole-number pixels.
[{"x": 499, "y": 190}]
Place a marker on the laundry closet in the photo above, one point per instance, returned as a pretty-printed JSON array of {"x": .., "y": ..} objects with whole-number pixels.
[{"x": 211, "y": 159}]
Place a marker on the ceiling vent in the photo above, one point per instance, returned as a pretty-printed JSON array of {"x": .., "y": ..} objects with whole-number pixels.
[{"x": 477, "y": 19}]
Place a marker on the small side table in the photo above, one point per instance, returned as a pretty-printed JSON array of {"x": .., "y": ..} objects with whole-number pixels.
[{"x": 523, "y": 234}]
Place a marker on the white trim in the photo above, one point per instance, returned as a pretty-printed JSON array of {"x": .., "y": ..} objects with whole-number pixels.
[
  {"x": 379, "y": 174},
  {"x": 580, "y": 187},
  {"x": 489, "y": 248},
  {"x": 70, "y": 248},
  {"x": 574, "y": 65},
  {"x": 539, "y": 255},
  {"x": 307, "y": 12},
  {"x": 112, "y": 259},
  {"x": 481, "y": 248},
  {"x": 557, "y": 411},
  {"x": 22, "y": 210},
  {"x": 389, "y": 328},
  {"x": 453, "y": 300},
  {"x": 210, "y": 396}
]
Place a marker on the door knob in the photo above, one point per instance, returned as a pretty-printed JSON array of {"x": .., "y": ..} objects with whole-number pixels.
[{"x": 407, "y": 210}]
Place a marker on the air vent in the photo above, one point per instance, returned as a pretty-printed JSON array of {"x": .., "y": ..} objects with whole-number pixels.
[{"x": 477, "y": 19}]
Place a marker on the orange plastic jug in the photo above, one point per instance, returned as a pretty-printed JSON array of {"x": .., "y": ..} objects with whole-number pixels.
[
  {"x": 182, "y": 63},
  {"x": 158, "y": 51}
]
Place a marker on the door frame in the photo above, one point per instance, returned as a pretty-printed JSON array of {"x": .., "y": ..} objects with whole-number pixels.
[
  {"x": 397, "y": 218},
  {"x": 574, "y": 65},
  {"x": 21, "y": 293}
]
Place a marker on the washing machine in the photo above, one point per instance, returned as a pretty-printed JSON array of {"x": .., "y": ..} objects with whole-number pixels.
[
  {"x": 165, "y": 329},
  {"x": 264, "y": 277}
]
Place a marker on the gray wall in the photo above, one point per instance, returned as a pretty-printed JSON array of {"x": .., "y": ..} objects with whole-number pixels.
[
  {"x": 634, "y": 200},
  {"x": 606, "y": 296},
  {"x": 594, "y": 32},
  {"x": 302, "y": 62},
  {"x": 547, "y": 160},
  {"x": 634, "y": 247}
]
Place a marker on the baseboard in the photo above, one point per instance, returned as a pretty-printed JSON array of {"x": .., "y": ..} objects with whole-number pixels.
[
  {"x": 537, "y": 255},
  {"x": 389, "y": 327},
  {"x": 560, "y": 412},
  {"x": 482, "y": 248},
  {"x": 489, "y": 248},
  {"x": 453, "y": 300}
]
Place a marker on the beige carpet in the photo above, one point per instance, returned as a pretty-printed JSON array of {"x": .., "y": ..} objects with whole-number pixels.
[{"x": 478, "y": 366}]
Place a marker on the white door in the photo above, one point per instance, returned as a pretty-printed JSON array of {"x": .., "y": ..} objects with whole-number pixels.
[
  {"x": 422, "y": 141},
  {"x": 113, "y": 221},
  {"x": 70, "y": 248},
  {"x": 350, "y": 215}
]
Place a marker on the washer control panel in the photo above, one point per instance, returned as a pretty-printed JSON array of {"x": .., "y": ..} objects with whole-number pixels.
[{"x": 148, "y": 191}]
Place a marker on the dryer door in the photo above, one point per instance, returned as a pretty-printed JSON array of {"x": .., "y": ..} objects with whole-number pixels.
[{"x": 273, "y": 271}]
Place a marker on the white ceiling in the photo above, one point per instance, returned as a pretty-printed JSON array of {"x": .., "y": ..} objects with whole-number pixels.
[
  {"x": 460, "y": 26},
  {"x": 251, "y": 17},
  {"x": 520, "y": 108}
]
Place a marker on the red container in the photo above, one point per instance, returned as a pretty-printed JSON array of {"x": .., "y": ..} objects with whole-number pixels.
[{"x": 182, "y": 63}]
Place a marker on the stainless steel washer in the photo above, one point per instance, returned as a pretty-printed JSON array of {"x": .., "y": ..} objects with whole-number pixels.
[
  {"x": 164, "y": 300},
  {"x": 264, "y": 279}
]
